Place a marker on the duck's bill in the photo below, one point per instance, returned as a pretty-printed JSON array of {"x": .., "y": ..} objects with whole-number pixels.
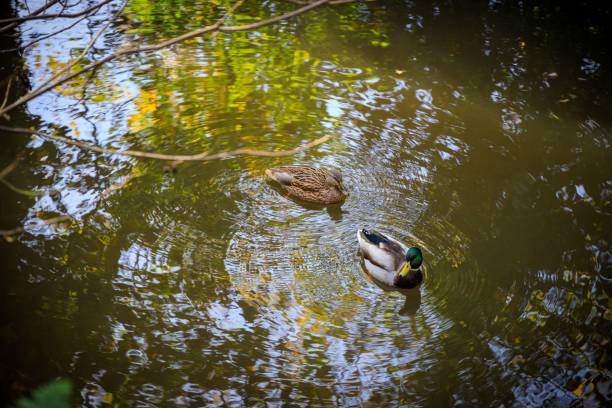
[{"x": 405, "y": 269}]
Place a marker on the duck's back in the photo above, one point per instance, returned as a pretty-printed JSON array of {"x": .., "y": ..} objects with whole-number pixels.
[
  {"x": 307, "y": 183},
  {"x": 306, "y": 178}
]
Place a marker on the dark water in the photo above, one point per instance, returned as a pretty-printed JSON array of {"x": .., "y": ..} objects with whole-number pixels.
[{"x": 479, "y": 132}]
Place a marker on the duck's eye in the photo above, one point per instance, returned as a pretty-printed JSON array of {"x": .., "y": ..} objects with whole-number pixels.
[{"x": 366, "y": 232}]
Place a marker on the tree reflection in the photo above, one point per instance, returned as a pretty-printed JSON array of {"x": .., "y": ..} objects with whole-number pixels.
[{"x": 480, "y": 129}]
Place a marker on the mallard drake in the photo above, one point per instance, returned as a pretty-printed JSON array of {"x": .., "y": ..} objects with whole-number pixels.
[
  {"x": 389, "y": 261},
  {"x": 309, "y": 184}
]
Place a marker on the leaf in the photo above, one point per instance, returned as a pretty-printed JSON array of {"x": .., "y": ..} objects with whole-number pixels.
[
  {"x": 99, "y": 97},
  {"x": 539, "y": 295},
  {"x": 108, "y": 398},
  {"x": 53, "y": 395},
  {"x": 578, "y": 391},
  {"x": 135, "y": 122}
]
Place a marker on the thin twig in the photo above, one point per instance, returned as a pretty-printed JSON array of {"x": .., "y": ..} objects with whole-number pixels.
[
  {"x": 8, "y": 169},
  {"x": 55, "y": 15},
  {"x": 203, "y": 156},
  {"x": 227, "y": 29},
  {"x": 8, "y": 234},
  {"x": 89, "y": 45},
  {"x": 27, "y": 193},
  {"x": 134, "y": 50},
  {"x": 35, "y": 12},
  {"x": 39, "y": 39},
  {"x": 226, "y": 15},
  {"x": 85, "y": 85},
  {"x": 57, "y": 79},
  {"x": 6, "y": 95}
]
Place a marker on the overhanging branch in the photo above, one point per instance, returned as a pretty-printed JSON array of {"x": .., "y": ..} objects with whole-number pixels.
[
  {"x": 203, "y": 156},
  {"x": 36, "y": 16},
  {"x": 216, "y": 27}
]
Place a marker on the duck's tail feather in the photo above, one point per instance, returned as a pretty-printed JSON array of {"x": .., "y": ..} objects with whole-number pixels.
[{"x": 279, "y": 176}]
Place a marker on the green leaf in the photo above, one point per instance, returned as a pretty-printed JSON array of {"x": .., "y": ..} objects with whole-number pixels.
[{"x": 55, "y": 394}]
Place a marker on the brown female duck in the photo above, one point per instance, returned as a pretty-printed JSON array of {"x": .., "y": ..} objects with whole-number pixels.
[{"x": 309, "y": 184}]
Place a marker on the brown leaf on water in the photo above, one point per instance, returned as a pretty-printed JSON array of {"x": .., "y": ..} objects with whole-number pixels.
[{"x": 578, "y": 391}]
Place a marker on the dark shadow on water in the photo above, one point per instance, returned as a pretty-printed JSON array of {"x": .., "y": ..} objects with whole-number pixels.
[
  {"x": 412, "y": 302},
  {"x": 335, "y": 212}
]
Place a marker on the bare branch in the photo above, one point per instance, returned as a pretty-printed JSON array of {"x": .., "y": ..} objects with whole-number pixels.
[
  {"x": 27, "y": 193},
  {"x": 204, "y": 156},
  {"x": 90, "y": 44},
  {"x": 35, "y": 12},
  {"x": 6, "y": 94},
  {"x": 273, "y": 20},
  {"x": 44, "y": 37},
  {"x": 8, "y": 234},
  {"x": 56, "y": 78},
  {"x": 56, "y": 15},
  {"x": 8, "y": 169},
  {"x": 55, "y": 81}
]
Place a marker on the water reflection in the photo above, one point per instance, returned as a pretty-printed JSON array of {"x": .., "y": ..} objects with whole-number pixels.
[{"x": 204, "y": 286}]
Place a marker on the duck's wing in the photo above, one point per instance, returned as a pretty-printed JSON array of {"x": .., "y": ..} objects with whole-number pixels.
[
  {"x": 382, "y": 251},
  {"x": 300, "y": 177},
  {"x": 310, "y": 179},
  {"x": 378, "y": 273}
]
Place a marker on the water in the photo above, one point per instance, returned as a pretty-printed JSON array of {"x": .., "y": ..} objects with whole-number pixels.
[{"x": 481, "y": 133}]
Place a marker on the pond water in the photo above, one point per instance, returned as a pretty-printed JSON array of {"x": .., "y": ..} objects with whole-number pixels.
[{"x": 480, "y": 133}]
